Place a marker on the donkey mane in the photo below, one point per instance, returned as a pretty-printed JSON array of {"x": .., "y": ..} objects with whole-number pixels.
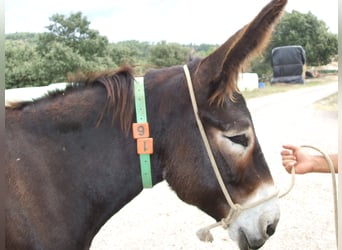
[
  {"x": 119, "y": 85},
  {"x": 119, "y": 88}
]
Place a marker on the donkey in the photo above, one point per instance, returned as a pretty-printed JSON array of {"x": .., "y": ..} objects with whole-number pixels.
[{"x": 71, "y": 161}]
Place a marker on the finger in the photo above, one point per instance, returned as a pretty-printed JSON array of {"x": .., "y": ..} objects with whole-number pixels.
[
  {"x": 286, "y": 152},
  {"x": 288, "y": 166},
  {"x": 289, "y": 158},
  {"x": 290, "y": 147}
]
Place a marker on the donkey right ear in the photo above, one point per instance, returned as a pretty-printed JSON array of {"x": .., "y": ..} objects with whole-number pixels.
[{"x": 222, "y": 67}]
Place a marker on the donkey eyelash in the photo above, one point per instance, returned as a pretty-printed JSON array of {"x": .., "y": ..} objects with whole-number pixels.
[{"x": 238, "y": 139}]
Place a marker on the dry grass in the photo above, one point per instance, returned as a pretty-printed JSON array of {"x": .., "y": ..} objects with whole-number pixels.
[
  {"x": 330, "y": 103},
  {"x": 276, "y": 88}
]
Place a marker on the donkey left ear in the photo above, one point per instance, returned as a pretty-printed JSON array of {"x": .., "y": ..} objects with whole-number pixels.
[{"x": 221, "y": 68}]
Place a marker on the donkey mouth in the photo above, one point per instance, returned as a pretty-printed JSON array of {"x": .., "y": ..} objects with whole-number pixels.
[{"x": 245, "y": 244}]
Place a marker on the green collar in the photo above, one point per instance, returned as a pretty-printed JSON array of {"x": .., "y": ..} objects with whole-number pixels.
[{"x": 142, "y": 134}]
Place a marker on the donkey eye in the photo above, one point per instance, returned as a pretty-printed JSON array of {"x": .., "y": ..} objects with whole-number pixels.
[{"x": 239, "y": 139}]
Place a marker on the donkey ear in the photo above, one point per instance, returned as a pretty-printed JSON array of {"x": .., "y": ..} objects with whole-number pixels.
[{"x": 221, "y": 68}]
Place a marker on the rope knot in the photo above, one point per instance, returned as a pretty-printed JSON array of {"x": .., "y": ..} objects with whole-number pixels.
[{"x": 234, "y": 212}]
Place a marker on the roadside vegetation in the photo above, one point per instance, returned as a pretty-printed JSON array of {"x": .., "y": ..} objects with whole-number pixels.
[
  {"x": 282, "y": 87},
  {"x": 330, "y": 103},
  {"x": 69, "y": 46}
]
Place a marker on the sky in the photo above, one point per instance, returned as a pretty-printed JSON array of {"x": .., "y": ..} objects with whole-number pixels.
[{"x": 181, "y": 21}]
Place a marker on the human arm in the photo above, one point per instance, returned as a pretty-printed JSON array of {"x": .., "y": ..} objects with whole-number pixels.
[{"x": 293, "y": 156}]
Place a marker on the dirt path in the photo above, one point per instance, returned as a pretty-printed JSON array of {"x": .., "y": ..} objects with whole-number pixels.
[{"x": 157, "y": 219}]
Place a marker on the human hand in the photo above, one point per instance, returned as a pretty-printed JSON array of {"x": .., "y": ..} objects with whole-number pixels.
[{"x": 293, "y": 156}]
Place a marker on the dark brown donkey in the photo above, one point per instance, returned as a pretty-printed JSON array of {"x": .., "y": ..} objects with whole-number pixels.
[{"x": 71, "y": 161}]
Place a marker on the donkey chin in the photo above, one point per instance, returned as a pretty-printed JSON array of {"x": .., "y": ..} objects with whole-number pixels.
[{"x": 255, "y": 225}]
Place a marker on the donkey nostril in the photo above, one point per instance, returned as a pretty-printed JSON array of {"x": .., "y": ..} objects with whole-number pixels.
[{"x": 270, "y": 229}]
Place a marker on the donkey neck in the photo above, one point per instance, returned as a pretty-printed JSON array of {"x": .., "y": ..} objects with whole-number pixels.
[{"x": 95, "y": 168}]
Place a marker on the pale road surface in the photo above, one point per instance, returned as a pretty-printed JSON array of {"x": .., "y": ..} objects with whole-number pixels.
[{"x": 157, "y": 219}]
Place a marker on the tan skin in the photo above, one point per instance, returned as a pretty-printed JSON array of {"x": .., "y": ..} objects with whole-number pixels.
[{"x": 293, "y": 156}]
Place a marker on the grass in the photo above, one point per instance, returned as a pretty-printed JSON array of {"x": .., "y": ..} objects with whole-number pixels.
[
  {"x": 276, "y": 88},
  {"x": 330, "y": 103}
]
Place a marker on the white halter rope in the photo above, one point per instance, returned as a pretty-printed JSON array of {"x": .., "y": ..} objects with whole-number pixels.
[
  {"x": 334, "y": 186},
  {"x": 204, "y": 233}
]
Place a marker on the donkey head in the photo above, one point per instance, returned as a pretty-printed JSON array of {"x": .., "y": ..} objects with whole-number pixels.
[{"x": 230, "y": 131}]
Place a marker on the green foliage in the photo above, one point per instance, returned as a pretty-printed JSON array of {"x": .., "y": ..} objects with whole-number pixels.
[
  {"x": 262, "y": 67},
  {"x": 74, "y": 32},
  {"x": 164, "y": 54},
  {"x": 60, "y": 59},
  {"x": 298, "y": 29},
  {"x": 306, "y": 30},
  {"x": 131, "y": 52},
  {"x": 23, "y": 36},
  {"x": 71, "y": 46},
  {"x": 204, "y": 49},
  {"x": 22, "y": 64}
]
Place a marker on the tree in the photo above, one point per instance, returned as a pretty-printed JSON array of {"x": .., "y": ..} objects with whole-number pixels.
[
  {"x": 74, "y": 32},
  {"x": 31, "y": 38},
  {"x": 60, "y": 60},
  {"x": 71, "y": 46},
  {"x": 306, "y": 30},
  {"x": 298, "y": 29},
  {"x": 203, "y": 49},
  {"x": 22, "y": 64},
  {"x": 164, "y": 55}
]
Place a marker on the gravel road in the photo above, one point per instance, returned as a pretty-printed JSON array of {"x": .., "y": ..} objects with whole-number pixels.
[{"x": 157, "y": 219}]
